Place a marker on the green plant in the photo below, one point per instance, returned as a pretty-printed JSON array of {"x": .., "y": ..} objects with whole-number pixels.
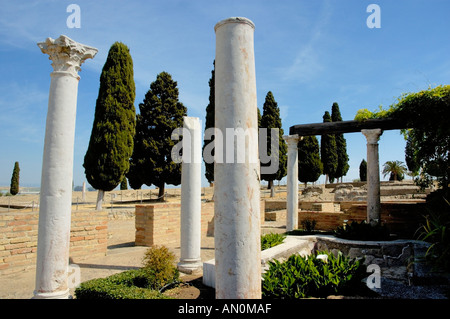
[
  {"x": 131, "y": 284},
  {"x": 301, "y": 277},
  {"x": 309, "y": 224},
  {"x": 147, "y": 282},
  {"x": 435, "y": 231},
  {"x": 395, "y": 169},
  {"x": 271, "y": 240},
  {"x": 160, "y": 113},
  {"x": 111, "y": 143},
  {"x": 159, "y": 265},
  {"x": 426, "y": 114},
  {"x": 362, "y": 231},
  {"x": 271, "y": 119},
  {"x": 14, "y": 189}
]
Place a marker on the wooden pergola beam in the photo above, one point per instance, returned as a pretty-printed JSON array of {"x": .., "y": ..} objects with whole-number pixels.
[{"x": 345, "y": 127}]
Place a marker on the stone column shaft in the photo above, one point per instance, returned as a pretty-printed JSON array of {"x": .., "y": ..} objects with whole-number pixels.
[
  {"x": 292, "y": 182},
  {"x": 237, "y": 184},
  {"x": 373, "y": 176},
  {"x": 190, "y": 246},
  {"x": 57, "y": 167}
]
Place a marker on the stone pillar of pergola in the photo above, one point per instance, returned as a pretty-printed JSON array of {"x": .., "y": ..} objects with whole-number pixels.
[
  {"x": 237, "y": 184},
  {"x": 191, "y": 207},
  {"x": 373, "y": 176},
  {"x": 292, "y": 182},
  {"x": 57, "y": 167}
]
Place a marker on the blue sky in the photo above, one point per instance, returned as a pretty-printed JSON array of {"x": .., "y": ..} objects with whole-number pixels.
[{"x": 308, "y": 53}]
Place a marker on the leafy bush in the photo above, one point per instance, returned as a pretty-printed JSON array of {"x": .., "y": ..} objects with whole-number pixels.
[
  {"x": 271, "y": 240},
  {"x": 131, "y": 284},
  {"x": 435, "y": 231},
  {"x": 159, "y": 264},
  {"x": 309, "y": 224},
  {"x": 301, "y": 277},
  {"x": 362, "y": 231},
  {"x": 158, "y": 272}
]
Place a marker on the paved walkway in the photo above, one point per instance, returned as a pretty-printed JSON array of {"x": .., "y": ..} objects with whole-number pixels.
[{"x": 118, "y": 259}]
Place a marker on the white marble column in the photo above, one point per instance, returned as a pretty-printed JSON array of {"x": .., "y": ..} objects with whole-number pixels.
[
  {"x": 57, "y": 166},
  {"x": 237, "y": 184},
  {"x": 373, "y": 176},
  {"x": 292, "y": 182},
  {"x": 190, "y": 228}
]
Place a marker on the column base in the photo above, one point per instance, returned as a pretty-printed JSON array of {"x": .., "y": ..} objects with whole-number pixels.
[
  {"x": 52, "y": 295},
  {"x": 189, "y": 266}
]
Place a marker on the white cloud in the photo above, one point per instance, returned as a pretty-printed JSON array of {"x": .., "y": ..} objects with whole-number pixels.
[
  {"x": 308, "y": 62},
  {"x": 23, "y": 110}
]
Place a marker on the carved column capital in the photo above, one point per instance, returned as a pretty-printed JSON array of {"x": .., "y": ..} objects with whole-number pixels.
[
  {"x": 66, "y": 54},
  {"x": 292, "y": 140},
  {"x": 373, "y": 135}
]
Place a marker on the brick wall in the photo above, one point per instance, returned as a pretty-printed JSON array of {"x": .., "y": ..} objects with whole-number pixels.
[
  {"x": 19, "y": 232},
  {"x": 88, "y": 234},
  {"x": 401, "y": 218},
  {"x": 159, "y": 224}
]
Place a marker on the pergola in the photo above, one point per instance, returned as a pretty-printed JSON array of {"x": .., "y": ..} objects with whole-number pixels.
[{"x": 372, "y": 130}]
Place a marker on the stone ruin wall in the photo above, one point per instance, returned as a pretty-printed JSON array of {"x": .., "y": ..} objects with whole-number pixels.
[
  {"x": 159, "y": 224},
  {"x": 19, "y": 232}
]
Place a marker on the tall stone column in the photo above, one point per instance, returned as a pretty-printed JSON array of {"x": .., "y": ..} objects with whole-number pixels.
[
  {"x": 237, "y": 183},
  {"x": 190, "y": 246},
  {"x": 292, "y": 182},
  {"x": 57, "y": 166},
  {"x": 373, "y": 176}
]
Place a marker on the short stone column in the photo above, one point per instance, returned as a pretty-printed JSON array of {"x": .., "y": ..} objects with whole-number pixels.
[
  {"x": 191, "y": 170},
  {"x": 237, "y": 183},
  {"x": 57, "y": 167},
  {"x": 292, "y": 182},
  {"x": 373, "y": 176}
]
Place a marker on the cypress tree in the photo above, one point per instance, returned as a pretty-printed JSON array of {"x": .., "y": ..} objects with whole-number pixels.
[
  {"x": 14, "y": 188},
  {"x": 160, "y": 114},
  {"x": 111, "y": 144},
  {"x": 310, "y": 166},
  {"x": 328, "y": 151},
  {"x": 341, "y": 145},
  {"x": 209, "y": 123},
  {"x": 271, "y": 119},
  {"x": 124, "y": 184},
  {"x": 363, "y": 171}
]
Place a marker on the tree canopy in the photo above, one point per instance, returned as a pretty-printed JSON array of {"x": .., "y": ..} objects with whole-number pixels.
[
  {"x": 363, "y": 171},
  {"x": 328, "y": 150},
  {"x": 341, "y": 145},
  {"x": 14, "y": 188},
  {"x": 160, "y": 114},
  {"x": 426, "y": 113},
  {"x": 209, "y": 123},
  {"x": 271, "y": 119},
  {"x": 310, "y": 166},
  {"x": 111, "y": 143}
]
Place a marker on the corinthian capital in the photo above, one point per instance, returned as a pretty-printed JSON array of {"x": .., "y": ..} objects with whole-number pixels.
[
  {"x": 292, "y": 140},
  {"x": 372, "y": 136},
  {"x": 66, "y": 54}
]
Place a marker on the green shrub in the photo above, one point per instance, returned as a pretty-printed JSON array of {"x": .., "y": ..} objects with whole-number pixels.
[
  {"x": 309, "y": 224},
  {"x": 131, "y": 284},
  {"x": 435, "y": 231},
  {"x": 159, "y": 265},
  {"x": 271, "y": 240},
  {"x": 302, "y": 277},
  {"x": 158, "y": 272},
  {"x": 362, "y": 231}
]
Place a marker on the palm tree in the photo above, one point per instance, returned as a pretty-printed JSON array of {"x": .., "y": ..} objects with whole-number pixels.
[{"x": 396, "y": 169}]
